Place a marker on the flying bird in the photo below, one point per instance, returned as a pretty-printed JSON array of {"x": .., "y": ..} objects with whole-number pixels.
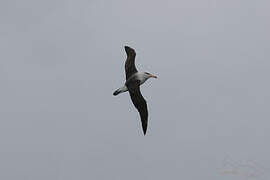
[{"x": 133, "y": 81}]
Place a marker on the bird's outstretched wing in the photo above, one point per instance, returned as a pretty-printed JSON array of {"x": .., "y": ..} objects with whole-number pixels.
[
  {"x": 130, "y": 67},
  {"x": 139, "y": 102}
]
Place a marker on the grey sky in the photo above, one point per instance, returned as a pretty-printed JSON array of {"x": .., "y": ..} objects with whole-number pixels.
[{"x": 61, "y": 60}]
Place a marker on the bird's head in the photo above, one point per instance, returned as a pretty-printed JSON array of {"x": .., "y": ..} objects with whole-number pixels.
[
  {"x": 130, "y": 51},
  {"x": 149, "y": 75}
]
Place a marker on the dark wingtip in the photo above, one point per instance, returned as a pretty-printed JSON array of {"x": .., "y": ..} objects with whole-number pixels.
[
  {"x": 127, "y": 48},
  {"x": 144, "y": 130},
  {"x": 130, "y": 50}
]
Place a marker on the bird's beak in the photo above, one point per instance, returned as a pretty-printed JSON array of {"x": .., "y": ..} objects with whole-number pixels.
[{"x": 153, "y": 76}]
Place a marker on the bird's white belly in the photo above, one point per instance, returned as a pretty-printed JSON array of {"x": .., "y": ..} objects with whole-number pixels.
[{"x": 140, "y": 76}]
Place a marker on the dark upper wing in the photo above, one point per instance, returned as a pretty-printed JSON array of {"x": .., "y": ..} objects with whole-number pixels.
[
  {"x": 130, "y": 67},
  {"x": 139, "y": 102}
]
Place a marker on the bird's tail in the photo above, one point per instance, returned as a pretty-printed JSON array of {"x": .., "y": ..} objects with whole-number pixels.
[
  {"x": 115, "y": 93},
  {"x": 120, "y": 90}
]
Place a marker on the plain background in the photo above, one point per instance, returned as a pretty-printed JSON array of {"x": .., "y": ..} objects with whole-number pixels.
[{"x": 60, "y": 61}]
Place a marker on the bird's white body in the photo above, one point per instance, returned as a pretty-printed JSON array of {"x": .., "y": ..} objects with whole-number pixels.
[{"x": 141, "y": 76}]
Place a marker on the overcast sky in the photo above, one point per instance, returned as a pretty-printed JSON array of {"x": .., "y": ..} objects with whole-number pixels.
[{"x": 60, "y": 61}]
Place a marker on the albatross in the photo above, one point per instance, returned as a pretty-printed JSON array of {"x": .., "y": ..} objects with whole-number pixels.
[{"x": 133, "y": 81}]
